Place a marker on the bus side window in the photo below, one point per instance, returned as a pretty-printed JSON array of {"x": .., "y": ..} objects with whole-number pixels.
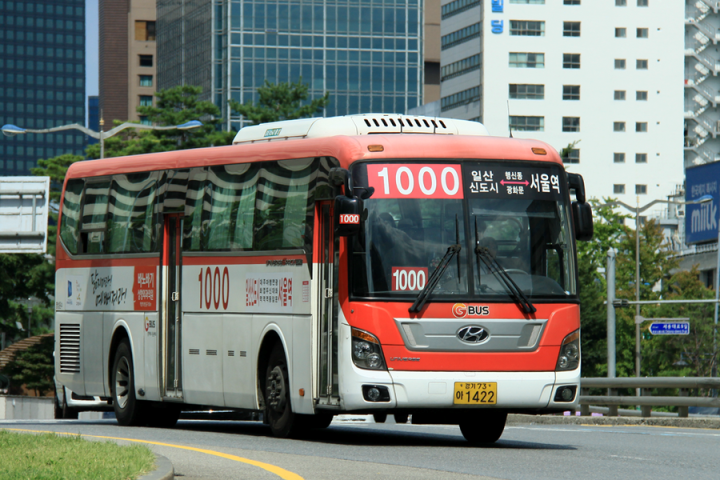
[
  {"x": 131, "y": 214},
  {"x": 70, "y": 224},
  {"x": 228, "y": 209},
  {"x": 94, "y": 214},
  {"x": 194, "y": 199}
]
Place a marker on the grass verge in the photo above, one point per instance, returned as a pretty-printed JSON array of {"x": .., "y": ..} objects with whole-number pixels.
[{"x": 61, "y": 457}]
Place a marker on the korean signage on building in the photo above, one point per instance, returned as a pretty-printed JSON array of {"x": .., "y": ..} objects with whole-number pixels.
[{"x": 701, "y": 220}]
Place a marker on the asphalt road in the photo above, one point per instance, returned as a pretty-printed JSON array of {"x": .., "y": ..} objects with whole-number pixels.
[{"x": 352, "y": 450}]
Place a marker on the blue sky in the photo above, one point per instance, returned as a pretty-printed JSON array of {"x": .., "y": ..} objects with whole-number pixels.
[{"x": 91, "y": 47}]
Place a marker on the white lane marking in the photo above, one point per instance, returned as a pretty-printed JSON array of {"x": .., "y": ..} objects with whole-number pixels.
[
  {"x": 627, "y": 458},
  {"x": 626, "y": 432}
]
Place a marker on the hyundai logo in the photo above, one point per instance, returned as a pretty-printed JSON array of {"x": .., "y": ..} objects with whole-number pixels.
[{"x": 473, "y": 334}]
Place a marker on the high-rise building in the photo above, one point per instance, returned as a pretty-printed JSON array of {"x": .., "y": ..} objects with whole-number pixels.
[
  {"x": 93, "y": 117},
  {"x": 128, "y": 59},
  {"x": 42, "y": 79},
  {"x": 367, "y": 54},
  {"x": 603, "y": 74}
]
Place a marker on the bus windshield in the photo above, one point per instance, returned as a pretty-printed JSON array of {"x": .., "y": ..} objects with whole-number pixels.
[{"x": 514, "y": 225}]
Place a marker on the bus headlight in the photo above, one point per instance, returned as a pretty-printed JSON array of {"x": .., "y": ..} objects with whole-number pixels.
[
  {"x": 366, "y": 351},
  {"x": 569, "y": 357}
]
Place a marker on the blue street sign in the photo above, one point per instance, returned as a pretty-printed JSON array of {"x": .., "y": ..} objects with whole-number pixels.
[{"x": 670, "y": 328}]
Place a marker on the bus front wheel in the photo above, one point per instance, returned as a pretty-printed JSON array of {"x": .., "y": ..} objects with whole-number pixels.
[
  {"x": 484, "y": 427},
  {"x": 129, "y": 410},
  {"x": 283, "y": 422}
]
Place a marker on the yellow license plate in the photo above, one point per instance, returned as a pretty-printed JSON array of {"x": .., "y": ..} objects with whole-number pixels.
[{"x": 473, "y": 393}]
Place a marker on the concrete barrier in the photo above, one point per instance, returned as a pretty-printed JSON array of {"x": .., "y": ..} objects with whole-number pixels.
[{"x": 16, "y": 407}]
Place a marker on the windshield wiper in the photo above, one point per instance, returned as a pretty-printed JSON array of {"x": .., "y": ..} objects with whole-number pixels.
[
  {"x": 484, "y": 254},
  {"x": 434, "y": 278}
]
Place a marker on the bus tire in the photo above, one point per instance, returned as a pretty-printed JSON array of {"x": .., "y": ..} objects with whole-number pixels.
[
  {"x": 129, "y": 411},
  {"x": 401, "y": 417},
  {"x": 163, "y": 416},
  {"x": 379, "y": 417},
  {"x": 485, "y": 427},
  {"x": 283, "y": 422}
]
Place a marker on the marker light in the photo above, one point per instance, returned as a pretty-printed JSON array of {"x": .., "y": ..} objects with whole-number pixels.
[
  {"x": 539, "y": 151},
  {"x": 376, "y": 148}
]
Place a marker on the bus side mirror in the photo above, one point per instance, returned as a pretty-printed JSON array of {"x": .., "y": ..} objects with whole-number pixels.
[
  {"x": 582, "y": 218},
  {"x": 347, "y": 215}
]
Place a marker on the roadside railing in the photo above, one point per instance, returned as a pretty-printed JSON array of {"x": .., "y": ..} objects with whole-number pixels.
[{"x": 647, "y": 401}]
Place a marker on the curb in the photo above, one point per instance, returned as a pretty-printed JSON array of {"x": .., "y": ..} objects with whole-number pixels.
[
  {"x": 711, "y": 423},
  {"x": 163, "y": 470}
]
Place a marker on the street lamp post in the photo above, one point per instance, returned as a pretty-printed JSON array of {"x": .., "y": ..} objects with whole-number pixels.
[
  {"x": 12, "y": 130},
  {"x": 638, "y": 210}
]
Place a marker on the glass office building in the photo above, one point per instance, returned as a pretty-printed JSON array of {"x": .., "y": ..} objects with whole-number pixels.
[
  {"x": 42, "y": 79},
  {"x": 367, "y": 54}
]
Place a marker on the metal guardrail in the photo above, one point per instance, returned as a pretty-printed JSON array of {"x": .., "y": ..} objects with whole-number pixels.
[{"x": 683, "y": 401}]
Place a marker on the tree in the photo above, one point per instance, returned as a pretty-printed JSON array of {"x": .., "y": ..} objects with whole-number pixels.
[
  {"x": 34, "y": 367},
  {"x": 173, "y": 106},
  {"x": 282, "y": 101}
]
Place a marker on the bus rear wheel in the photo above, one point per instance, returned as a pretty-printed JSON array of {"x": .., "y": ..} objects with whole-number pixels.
[
  {"x": 283, "y": 422},
  {"x": 484, "y": 427},
  {"x": 129, "y": 411}
]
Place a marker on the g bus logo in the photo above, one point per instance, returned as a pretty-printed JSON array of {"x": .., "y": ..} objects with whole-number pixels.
[
  {"x": 461, "y": 310},
  {"x": 349, "y": 219}
]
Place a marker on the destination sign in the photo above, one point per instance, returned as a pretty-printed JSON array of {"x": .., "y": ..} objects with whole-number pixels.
[
  {"x": 493, "y": 180},
  {"x": 670, "y": 328}
]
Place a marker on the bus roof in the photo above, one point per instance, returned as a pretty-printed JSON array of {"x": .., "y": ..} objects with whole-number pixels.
[{"x": 347, "y": 149}]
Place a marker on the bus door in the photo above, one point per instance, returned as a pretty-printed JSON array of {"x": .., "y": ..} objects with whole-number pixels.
[
  {"x": 171, "y": 323},
  {"x": 328, "y": 306}
]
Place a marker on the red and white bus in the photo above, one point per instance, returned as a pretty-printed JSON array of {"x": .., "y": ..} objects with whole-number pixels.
[{"x": 376, "y": 264}]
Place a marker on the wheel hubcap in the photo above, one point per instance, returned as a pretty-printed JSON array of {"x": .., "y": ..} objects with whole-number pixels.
[
  {"x": 276, "y": 390},
  {"x": 122, "y": 383}
]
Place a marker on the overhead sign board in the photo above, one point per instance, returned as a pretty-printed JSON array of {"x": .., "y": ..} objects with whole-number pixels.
[
  {"x": 701, "y": 220},
  {"x": 670, "y": 328},
  {"x": 24, "y": 205}
]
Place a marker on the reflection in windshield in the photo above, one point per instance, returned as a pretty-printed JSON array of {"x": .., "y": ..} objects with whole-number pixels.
[{"x": 403, "y": 240}]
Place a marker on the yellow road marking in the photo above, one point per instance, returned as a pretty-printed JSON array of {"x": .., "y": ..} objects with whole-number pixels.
[{"x": 280, "y": 472}]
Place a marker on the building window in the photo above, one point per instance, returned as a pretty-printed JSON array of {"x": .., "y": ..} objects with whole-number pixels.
[
  {"x": 618, "y": 189},
  {"x": 641, "y": 64},
  {"x": 458, "y": 6},
  {"x": 619, "y": 94},
  {"x": 571, "y": 29},
  {"x": 527, "y": 124},
  {"x": 146, "y": 60},
  {"x": 642, "y": 33},
  {"x": 621, "y": 3},
  {"x": 619, "y": 64},
  {"x": 527, "y": 60},
  {"x": 460, "y": 67},
  {"x": 618, "y": 126},
  {"x": 571, "y": 124},
  {"x": 527, "y": 92},
  {"x": 640, "y": 189},
  {"x": 571, "y": 60},
  {"x": 571, "y": 2},
  {"x": 642, "y": 3},
  {"x": 641, "y": 96},
  {"x": 146, "y": 100},
  {"x": 527, "y": 28},
  {"x": 144, "y": 120},
  {"x": 571, "y": 92},
  {"x": 573, "y": 156},
  {"x": 618, "y": 158},
  {"x": 461, "y": 98},
  {"x": 641, "y": 127},
  {"x": 460, "y": 36},
  {"x": 641, "y": 158},
  {"x": 144, "y": 30},
  {"x": 620, "y": 32},
  {"x": 146, "y": 80}
]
